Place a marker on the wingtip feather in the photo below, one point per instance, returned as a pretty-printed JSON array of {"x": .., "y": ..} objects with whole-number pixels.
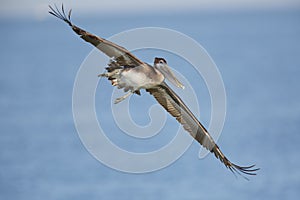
[
  {"x": 61, "y": 13},
  {"x": 242, "y": 171}
]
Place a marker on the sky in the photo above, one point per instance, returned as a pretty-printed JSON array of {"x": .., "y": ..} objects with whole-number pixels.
[{"x": 38, "y": 8}]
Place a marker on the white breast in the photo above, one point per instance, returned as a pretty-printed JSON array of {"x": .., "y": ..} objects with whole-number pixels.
[{"x": 135, "y": 79}]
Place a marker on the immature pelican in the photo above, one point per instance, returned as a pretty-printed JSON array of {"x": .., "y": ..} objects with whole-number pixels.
[{"x": 128, "y": 72}]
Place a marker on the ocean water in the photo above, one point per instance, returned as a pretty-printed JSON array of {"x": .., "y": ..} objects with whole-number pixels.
[{"x": 42, "y": 157}]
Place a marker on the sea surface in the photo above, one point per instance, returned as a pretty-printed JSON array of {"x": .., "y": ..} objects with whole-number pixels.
[{"x": 42, "y": 156}]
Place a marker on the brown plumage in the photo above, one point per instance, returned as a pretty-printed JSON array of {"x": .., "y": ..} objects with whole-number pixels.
[
  {"x": 177, "y": 108},
  {"x": 124, "y": 61}
]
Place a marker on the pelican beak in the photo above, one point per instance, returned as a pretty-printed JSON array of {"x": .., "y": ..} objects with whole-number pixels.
[{"x": 169, "y": 75}]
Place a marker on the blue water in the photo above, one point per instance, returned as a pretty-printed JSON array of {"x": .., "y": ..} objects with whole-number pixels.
[{"x": 42, "y": 157}]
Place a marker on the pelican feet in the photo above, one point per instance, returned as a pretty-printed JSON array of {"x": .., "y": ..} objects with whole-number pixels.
[{"x": 122, "y": 98}]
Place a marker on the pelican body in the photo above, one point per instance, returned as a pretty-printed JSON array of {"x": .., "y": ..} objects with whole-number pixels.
[
  {"x": 132, "y": 79},
  {"x": 127, "y": 72}
]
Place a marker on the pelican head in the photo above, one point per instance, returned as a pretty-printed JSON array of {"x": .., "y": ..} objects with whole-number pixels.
[{"x": 161, "y": 65}]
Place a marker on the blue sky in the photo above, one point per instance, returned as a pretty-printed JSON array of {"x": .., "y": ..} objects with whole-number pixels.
[{"x": 38, "y": 8}]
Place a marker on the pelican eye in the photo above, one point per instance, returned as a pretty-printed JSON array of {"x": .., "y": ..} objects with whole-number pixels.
[{"x": 161, "y": 62}]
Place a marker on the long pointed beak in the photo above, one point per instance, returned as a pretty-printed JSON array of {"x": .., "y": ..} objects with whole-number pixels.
[{"x": 167, "y": 72}]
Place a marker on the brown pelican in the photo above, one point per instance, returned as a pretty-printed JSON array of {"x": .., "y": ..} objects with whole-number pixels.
[{"x": 127, "y": 72}]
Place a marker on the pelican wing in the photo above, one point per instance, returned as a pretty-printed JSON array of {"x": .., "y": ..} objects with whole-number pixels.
[
  {"x": 112, "y": 50},
  {"x": 176, "y": 107}
]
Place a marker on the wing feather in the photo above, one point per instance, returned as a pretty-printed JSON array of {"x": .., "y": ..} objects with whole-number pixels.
[
  {"x": 112, "y": 50},
  {"x": 177, "y": 108}
]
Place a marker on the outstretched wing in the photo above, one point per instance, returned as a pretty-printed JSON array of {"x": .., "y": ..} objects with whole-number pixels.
[
  {"x": 114, "y": 51},
  {"x": 176, "y": 107}
]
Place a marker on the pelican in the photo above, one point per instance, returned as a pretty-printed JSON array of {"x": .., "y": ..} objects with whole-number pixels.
[{"x": 127, "y": 72}]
